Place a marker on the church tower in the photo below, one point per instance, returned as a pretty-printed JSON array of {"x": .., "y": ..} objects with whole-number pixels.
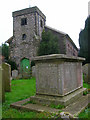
[{"x": 28, "y": 25}]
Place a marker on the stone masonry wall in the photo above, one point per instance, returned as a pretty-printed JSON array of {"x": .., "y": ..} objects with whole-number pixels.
[
  {"x": 71, "y": 50},
  {"x": 26, "y": 48}
]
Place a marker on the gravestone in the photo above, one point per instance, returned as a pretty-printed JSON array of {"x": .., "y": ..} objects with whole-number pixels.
[
  {"x": 89, "y": 74},
  {"x": 58, "y": 79},
  {"x": 2, "y": 91},
  {"x": 6, "y": 76},
  {"x": 33, "y": 71},
  {"x": 86, "y": 74},
  {"x": 14, "y": 74}
]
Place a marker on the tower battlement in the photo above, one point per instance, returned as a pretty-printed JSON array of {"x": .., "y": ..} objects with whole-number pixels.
[{"x": 28, "y": 11}]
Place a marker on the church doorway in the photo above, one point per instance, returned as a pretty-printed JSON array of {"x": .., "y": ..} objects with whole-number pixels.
[{"x": 25, "y": 68}]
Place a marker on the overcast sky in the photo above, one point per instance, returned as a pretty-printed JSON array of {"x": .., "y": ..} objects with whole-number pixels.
[{"x": 65, "y": 15}]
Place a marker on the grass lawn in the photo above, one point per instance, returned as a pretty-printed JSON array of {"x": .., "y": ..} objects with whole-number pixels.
[
  {"x": 85, "y": 85},
  {"x": 22, "y": 89},
  {"x": 86, "y": 112}
]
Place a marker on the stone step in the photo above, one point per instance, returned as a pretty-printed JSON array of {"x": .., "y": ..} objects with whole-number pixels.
[
  {"x": 74, "y": 109},
  {"x": 63, "y": 100},
  {"x": 33, "y": 107},
  {"x": 77, "y": 106},
  {"x": 40, "y": 108}
]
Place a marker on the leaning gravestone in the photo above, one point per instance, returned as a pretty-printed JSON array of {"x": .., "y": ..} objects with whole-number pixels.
[
  {"x": 86, "y": 74},
  {"x": 6, "y": 76},
  {"x": 58, "y": 79},
  {"x": 14, "y": 74}
]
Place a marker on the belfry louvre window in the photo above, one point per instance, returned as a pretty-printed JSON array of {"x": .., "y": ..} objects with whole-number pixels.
[{"x": 24, "y": 21}]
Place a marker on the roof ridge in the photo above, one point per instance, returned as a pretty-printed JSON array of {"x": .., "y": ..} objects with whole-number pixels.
[{"x": 56, "y": 30}]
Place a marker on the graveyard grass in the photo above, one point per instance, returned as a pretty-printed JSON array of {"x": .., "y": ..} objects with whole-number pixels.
[
  {"x": 22, "y": 89},
  {"x": 86, "y": 112}
]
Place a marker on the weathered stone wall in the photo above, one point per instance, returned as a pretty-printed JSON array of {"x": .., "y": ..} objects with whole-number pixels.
[
  {"x": 58, "y": 74},
  {"x": 71, "y": 48},
  {"x": 26, "y": 48}
]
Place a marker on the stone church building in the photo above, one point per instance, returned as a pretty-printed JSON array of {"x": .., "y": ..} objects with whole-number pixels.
[{"x": 28, "y": 25}]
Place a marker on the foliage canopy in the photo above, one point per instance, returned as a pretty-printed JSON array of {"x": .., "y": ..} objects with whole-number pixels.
[
  {"x": 84, "y": 41},
  {"x": 49, "y": 44},
  {"x": 4, "y": 49}
]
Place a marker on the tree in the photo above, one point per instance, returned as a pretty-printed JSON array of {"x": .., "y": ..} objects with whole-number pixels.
[
  {"x": 48, "y": 44},
  {"x": 13, "y": 64},
  {"x": 84, "y": 41},
  {"x": 5, "y": 51}
]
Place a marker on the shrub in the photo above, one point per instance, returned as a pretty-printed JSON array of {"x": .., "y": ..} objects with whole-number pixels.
[
  {"x": 5, "y": 51},
  {"x": 13, "y": 64},
  {"x": 32, "y": 63}
]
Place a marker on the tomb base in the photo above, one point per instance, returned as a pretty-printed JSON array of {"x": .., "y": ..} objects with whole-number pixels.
[{"x": 56, "y": 100}]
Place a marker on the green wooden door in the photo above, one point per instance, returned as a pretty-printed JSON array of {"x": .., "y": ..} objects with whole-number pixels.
[{"x": 25, "y": 67}]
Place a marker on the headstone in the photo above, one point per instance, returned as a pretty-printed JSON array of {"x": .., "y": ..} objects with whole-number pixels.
[
  {"x": 86, "y": 75},
  {"x": 2, "y": 91},
  {"x": 6, "y": 76},
  {"x": 58, "y": 79},
  {"x": 89, "y": 74},
  {"x": 14, "y": 74},
  {"x": 33, "y": 71}
]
